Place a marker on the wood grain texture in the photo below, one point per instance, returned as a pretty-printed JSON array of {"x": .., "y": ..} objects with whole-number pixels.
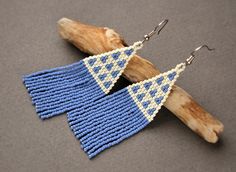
[{"x": 96, "y": 40}]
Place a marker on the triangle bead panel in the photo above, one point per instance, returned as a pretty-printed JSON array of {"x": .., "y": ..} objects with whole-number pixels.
[
  {"x": 106, "y": 68},
  {"x": 150, "y": 95}
]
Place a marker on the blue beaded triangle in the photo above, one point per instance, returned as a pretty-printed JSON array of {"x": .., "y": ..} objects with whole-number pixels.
[
  {"x": 149, "y": 95},
  {"x": 112, "y": 64}
]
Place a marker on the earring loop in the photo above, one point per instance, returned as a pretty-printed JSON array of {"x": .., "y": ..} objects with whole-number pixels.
[
  {"x": 189, "y": 60},
  {"x": 161, "y": 25}
]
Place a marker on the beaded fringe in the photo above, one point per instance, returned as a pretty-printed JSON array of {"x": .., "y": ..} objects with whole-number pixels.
[
  {"x": 61, "y": 89},
  {"x": 118, "y": 116},
  {"x": 107, "y": 122}
]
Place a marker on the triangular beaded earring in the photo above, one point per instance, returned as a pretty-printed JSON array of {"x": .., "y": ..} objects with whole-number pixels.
[
  {"x": 120, "y": 115},
  {"x": 62, "y": 89}
]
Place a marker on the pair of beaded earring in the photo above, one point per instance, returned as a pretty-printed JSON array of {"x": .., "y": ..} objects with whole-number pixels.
[
  {"x": 99, "y": 120},
  {"x": 113, "y": 118}
]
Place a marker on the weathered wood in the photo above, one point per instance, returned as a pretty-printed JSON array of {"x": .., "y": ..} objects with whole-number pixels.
[{"x": 96, "y": 40}]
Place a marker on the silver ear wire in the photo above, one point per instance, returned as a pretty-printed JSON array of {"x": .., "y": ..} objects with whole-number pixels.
[
  {"x": 192, "y": 55},
  {"x": 157, "y": 30}
]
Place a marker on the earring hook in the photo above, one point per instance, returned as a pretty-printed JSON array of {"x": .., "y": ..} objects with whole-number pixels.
[
  {"x": 192, "y": 55},
  {"x": 157, "y": 30}
]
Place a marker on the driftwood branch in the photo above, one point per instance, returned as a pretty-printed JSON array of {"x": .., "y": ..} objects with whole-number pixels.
[{"x": 96, "y": 40}]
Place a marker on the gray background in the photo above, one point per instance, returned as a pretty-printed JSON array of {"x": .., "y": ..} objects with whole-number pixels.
[{"x": 30, "y": 42}]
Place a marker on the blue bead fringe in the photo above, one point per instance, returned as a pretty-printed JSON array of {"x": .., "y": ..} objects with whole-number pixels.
[
  {"x": 61, "y": 89},
  {"x": 106, "y": 122}
]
